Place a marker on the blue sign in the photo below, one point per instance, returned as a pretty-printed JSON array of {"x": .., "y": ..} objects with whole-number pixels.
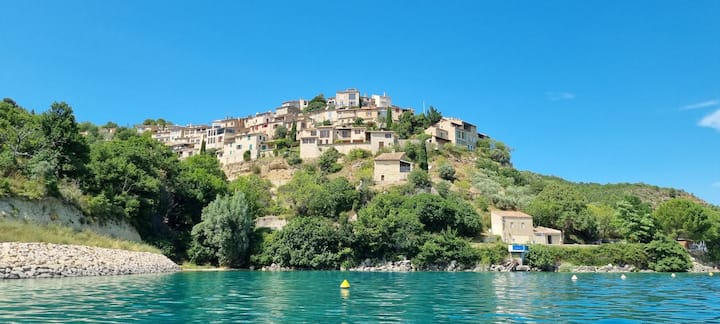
[{"x": 518, "y": 248}]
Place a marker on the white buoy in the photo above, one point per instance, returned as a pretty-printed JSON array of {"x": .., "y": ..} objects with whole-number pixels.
[
  {"x": 672, "y": 275},
  {"x": 573, "y": 278},
  {"x": 623, "y": 277},
  {"x": 711, "y": 273}
]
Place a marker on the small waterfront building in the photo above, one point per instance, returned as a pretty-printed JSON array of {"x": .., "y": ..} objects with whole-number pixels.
[{"x": 516, "y": 227}]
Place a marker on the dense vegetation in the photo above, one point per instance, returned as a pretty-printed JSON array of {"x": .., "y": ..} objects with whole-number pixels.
[{"x": 336, "y": 218}]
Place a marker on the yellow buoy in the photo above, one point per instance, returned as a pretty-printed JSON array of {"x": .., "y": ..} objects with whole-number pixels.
[{"x": 345, "y": 284}]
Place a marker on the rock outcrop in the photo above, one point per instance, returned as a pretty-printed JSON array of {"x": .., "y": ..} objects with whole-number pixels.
[{"x": 45, "y": 260}]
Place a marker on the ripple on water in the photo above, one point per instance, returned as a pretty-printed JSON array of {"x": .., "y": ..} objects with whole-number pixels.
[{"x": 374, "y": 297}]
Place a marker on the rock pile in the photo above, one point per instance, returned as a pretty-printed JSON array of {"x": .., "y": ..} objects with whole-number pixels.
[
  {"x": 390, "y": 266},
  {"x": 44, "y": 260},
  {"x": 606, "y": 268}
]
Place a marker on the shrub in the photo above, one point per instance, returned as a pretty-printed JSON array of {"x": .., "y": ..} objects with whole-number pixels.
[
  {"x": 293, "y": 159},
  {"x": 446, "y": 172},
  {"x": 543, "y": 257},
  {"x": 441, "y": 249},
  {"x": 247, "y": 156},
  {"x": 357, "y": 154},
  {"x": 419, "y": 179},
  {"x": 492, "y": 253},
  {"x": 666, "y": 255},
  {"x": 328, "y": 161},
  {"x": 305, "y": 243}
]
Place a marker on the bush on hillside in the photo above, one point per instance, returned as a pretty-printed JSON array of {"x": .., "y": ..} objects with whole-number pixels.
[{"x": 446, "y": 172}]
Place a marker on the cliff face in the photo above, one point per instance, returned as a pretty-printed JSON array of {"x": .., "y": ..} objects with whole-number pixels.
[{"x": 52, "y": 211}]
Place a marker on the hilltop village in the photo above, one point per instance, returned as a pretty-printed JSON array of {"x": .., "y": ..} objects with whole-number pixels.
[{"x": 345, "y": 122}]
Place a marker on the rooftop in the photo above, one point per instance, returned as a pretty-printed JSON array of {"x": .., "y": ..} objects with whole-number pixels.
[
  {"x": 396, "y": 156},
  {"x": 509, "y": 213},
  {"x": 546, "y": 230}
]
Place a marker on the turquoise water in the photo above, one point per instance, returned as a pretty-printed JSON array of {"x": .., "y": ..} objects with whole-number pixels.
[{"x": 292, "y": 297}]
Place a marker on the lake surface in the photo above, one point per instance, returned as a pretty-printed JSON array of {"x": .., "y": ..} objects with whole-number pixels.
[{"x": 315, "y": 296}]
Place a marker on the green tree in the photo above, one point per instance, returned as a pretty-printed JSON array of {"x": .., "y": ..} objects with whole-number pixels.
[
  {"x": 433, "y": 116},
  {"x": 328, "y": 161},
  {"x": 385, "y": 229},
  {"x": 404, "y": 127},
  {"x": 441, "y": 249},
  {"x": 64, "y": 142},
  {"x": 562, "y": 207},
  {"x": 223, "y": 236},
  {"x": 257, "y": 193},
  {"x": 200, "y": 181},
  {"x": 683, "y": 218},
  {"x": 500, "y": 153},
  {"x": 280, "y": 132},
  {"x": 292, "y": 135},
  {"x": 666, "y": 255},
  {"x": 20, "y": 137},
  {"x": 136, "y": 175},
  {"x": 317, "y": 103},
  {"x": 607, "y": 223},
  {"x": 306, "y": 243},
  {"x": 635, "y": 221},
  {"x": 388, "y": 119},
  {"x": 247, "y": 156}
]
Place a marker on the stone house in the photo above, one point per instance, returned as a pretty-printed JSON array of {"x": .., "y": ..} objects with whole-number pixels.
[
  {"x": 455, "y": 131},
  {"x": 392, "y": 168},
  {"x": 233, "y": 151},
  {"x": 516, "y": 227}
]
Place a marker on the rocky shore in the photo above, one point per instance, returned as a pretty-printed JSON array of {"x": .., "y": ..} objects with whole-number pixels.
[{"x": 44, "y": 260}]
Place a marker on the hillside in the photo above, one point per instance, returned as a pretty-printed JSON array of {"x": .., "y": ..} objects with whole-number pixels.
[{"x": 194, "y": 208}]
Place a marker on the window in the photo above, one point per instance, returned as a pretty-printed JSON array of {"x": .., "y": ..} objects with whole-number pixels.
[
  {"x": 522, "y": 225},
  {"x": 239, "y": 147},
  {"x": 357, "y": 131},
  {"x": 512, "y": 225},
  {"x": 351, "y": 96},
  {"x": 404, "y": 167},
  {"x": 345, "y": 133},
  {"x": 313, "y": 133},
  {"x": 388, "y": 135},
  {"x": 324, "y": 133},
  {"x": 250, "y": 147}
]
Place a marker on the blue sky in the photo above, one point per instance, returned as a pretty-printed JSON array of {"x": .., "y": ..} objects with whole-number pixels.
[{"x": 591, "y": 91}]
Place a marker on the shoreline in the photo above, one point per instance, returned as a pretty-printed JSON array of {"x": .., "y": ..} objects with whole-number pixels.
[{"x": 48, "y": 260}]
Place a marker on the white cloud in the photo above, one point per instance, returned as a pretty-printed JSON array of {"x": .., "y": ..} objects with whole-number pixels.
[
  {"x": 704, "y": 104},
  {"x": 711, "y": 120},
  {"x": 556, "y": 96}
]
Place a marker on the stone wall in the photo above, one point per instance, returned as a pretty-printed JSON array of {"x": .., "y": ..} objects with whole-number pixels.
[{"x": 44, "y": 260}]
